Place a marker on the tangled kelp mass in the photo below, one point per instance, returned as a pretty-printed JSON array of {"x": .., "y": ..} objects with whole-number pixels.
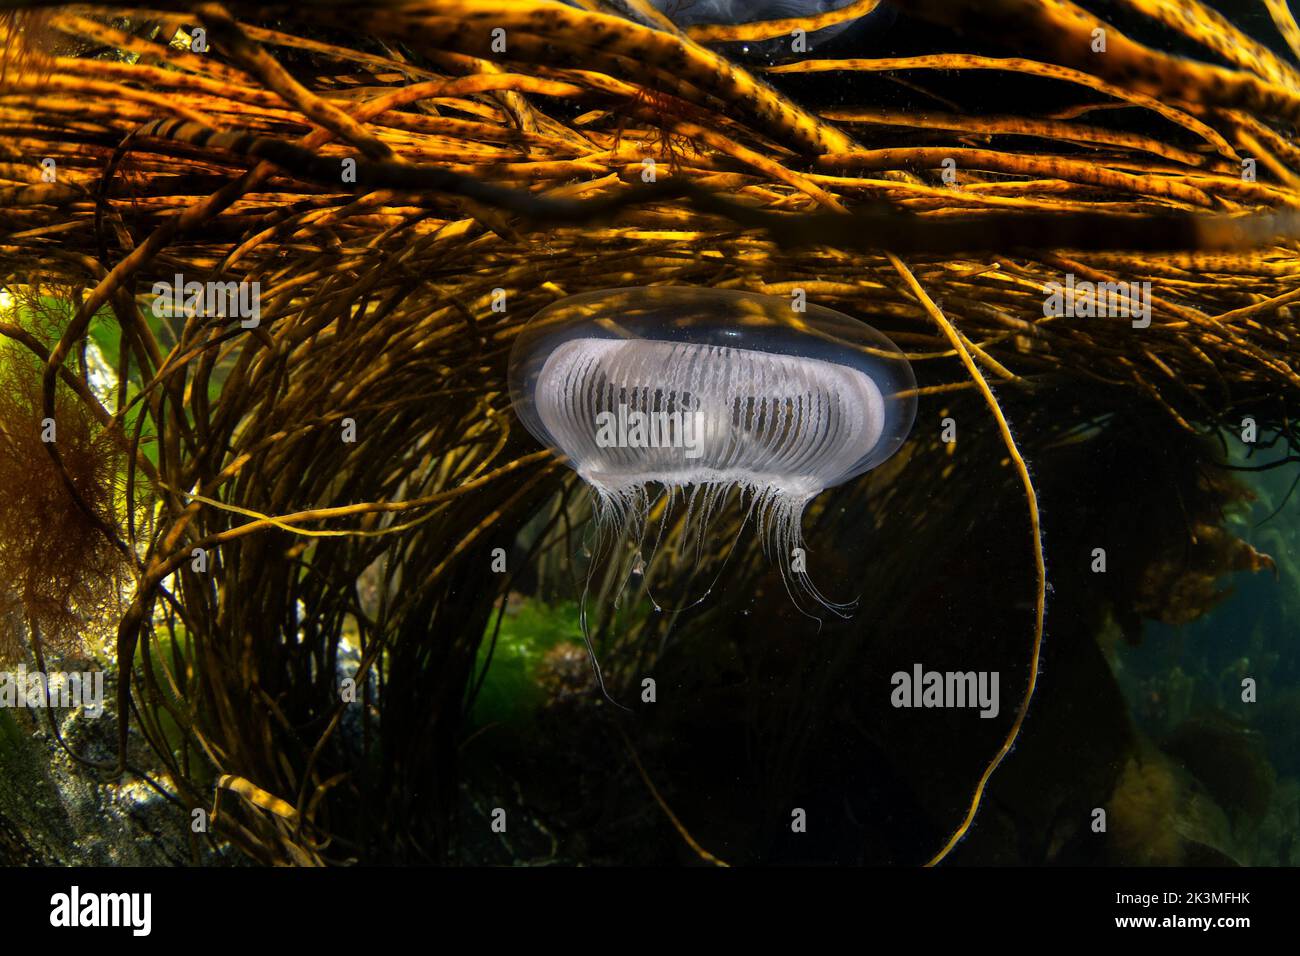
[{"x": 313, "y": 502}]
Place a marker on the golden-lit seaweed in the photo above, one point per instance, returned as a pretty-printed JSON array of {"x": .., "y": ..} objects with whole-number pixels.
[
  {"x": 62, "y": 576},
  {"x": 519, "y": 174}
]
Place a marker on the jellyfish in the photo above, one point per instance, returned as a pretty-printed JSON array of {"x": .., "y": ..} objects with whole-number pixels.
[{"x": 695, "y": 395}]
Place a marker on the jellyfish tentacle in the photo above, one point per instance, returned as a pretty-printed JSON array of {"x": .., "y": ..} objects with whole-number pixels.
[{"x": 591, "y": 648}]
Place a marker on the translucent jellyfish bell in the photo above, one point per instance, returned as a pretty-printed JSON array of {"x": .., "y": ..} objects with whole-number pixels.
[{"x": 703, "y": 392}]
